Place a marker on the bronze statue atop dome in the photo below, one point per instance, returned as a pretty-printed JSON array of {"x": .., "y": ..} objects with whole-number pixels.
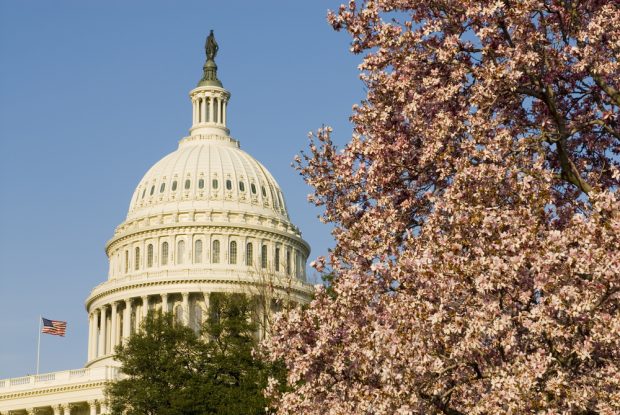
[{"x": 211, "y": 46}]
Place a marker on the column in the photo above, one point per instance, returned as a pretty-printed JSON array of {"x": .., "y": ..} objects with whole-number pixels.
[
  {"x": 30, "y": 411},
  {"x": 92, "y": 406},
  {"x": 164, "y": 303},
  {"x": 104, "y": 408},
  {"x": 102, "y": 331},
  {"x": 185, "y": 309},
  {"x": 145, "y": 307},
  {"x": 211, "y": 108},
  {"x": 194, "y": 106},
  {"x": 66, "y": 409},
  {"x": 91, "y": 329},
  {"x": 57, "y": 409},
  {"x": 204, "y": 108},
  {"x": 113, "y": 331},
  {"x": 126, "y": 320}
]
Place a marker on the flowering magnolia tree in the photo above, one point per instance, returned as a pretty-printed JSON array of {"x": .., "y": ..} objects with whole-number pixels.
[{"x": 477, "y": 216}]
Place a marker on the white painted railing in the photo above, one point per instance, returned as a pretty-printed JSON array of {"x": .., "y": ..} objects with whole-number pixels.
[{"x": 104, "y": 373}]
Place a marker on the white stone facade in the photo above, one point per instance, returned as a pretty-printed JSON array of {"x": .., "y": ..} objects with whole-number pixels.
[{"x": 206, "y": 218}]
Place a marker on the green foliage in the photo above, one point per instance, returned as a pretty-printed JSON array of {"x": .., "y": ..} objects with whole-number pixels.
[{"x": 169, "y": 370}]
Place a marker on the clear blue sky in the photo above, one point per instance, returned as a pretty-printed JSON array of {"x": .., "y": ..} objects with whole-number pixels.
[{"x": 93, "y": 93}]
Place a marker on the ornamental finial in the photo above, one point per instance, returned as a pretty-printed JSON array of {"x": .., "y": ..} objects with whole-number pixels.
[{"x": 209, "y": 77}]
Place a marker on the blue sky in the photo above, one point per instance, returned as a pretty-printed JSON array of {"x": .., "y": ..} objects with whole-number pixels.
[{"x": 93, "y": 93}]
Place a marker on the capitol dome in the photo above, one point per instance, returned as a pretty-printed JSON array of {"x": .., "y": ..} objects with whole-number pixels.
[{"x": 206, "y": 218}]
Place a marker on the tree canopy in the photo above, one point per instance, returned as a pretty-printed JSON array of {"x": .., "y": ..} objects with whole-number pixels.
[
  {"x": 476, "y": 213},
  {"x": 169, "y": 369}
]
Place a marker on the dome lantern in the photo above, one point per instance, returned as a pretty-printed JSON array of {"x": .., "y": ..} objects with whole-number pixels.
[{"x": 209, "y": 98}]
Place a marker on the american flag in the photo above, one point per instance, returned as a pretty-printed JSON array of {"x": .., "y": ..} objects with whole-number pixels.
[{"x": 57, "y": 328}]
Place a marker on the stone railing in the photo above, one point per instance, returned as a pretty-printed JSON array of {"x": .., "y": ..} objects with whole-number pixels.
[{"x": 67, "y": 377}]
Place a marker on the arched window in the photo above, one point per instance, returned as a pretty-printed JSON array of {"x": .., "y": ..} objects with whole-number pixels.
[
  {"x": 215, "y": 254},
  {"x": 149, "y": 255},
  {"x": 201, "y": 183},
  {"x": 164, "y": 253},
  {"x": 174, "y": 185},
  {"x": 214, "y": 184},
  {"x": 126, "y": 261},
  {"x": 188, "y": 183},
  {"x": 276, "y": 260},
  {"x": 215, "y": 113},
  {"x": 241, "y": 186},
  {"x": 178, "y": 314},
  {"x": 152, "y": 190},
  {"x": 162, "y": 188},
  {"x": 198, "y": 251},
  {"x": 288, "y": 261},
  {"x": 228, "y": 184},
  {"x": 180, "y": 252},
  {"x": 143, "y": 193},
  {"x": 263, "y": 256},
  {"x": 232, "y": 252},
  {"x": 249, "y": 254},
  {"x": 208, "y": 101},
  {"x": 137, "y": 259},
  {"x": 200, "y": 104},
  {"x": 262, "y": 188},
  {"x": 253, "y": 188}
]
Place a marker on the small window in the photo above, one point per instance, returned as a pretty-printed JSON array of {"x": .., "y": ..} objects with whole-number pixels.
[
  {"x": 241, "y": 187},
  {"x": 162, "y": 188},
  {"x": 198, "y": 251},
  {"x": 180, "y": 252},
  {"x": 187, "y": 184},
  {"x": 276, "y": 260},
  {"x": 201, "y": 184},
  {"x": 249, "y": 254},
  {"x": 215, "y": 255},
  {"x": 232, "y": 252},
  {"x": 214, "y": 183},
  {"x": 137, "y": 259},
  {"x": 164, "y": 253},
  {"x": 126, "y": 261},
  {"x": 264, "y": 191},
  {"x": 263, "y": 256},
  {"x": 228, "y": 185},
  {"x": 253, "y": 187},
  {"x": 143, "y": 193},
  {"x": 174, "y": 185},
  {"x": 149, "y": 255},
  {"x": 152, "y": 190}
]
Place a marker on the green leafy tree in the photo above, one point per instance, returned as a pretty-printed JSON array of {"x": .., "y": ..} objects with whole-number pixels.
[{"x": 170, "y": 370}]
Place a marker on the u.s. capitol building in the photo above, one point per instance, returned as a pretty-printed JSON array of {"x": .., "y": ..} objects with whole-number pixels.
[{"x": 206, "y": 218}]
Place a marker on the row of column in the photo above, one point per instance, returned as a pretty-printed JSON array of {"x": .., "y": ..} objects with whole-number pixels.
[
  {"x": 103, "y": 340},
  {"x": 200, "y": 111},
  {"x": 63, "y": 409}
]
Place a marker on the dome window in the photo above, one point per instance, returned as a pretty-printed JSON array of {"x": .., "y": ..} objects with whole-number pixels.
[
  {"x": 174, "y": 185},
  {"x": 241, "y": 186},
  {"x": 164, "y": 253},
  {"x": 253, "y": 188},
  {"x": 262, "y": 188},
  {"x": 143, "y": 193},
  {"x": 198, "y": 251},
  {"x": 149, "y": 256},
  {"x": 201, "y": 184},
  {"x": 137, "y": 259},
  {"x": 215, "y": 254},
  {"x": 228, "y": 185},
  {"x": 232, "y": 253},
  {"x": 214, "y": 184},
  {"x": 249, "y": 254},
  {"x": 152, "y": 190},
  {"x": 187, "y": 184},
  {"x": 263, "y": 256},
  {"x": 162, "y": 188}
]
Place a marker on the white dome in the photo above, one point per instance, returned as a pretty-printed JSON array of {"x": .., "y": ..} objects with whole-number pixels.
[{"x": 208, "y": 173}]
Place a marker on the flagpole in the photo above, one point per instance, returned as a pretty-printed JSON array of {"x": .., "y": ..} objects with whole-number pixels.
[{"x": 39, "y": 343}]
